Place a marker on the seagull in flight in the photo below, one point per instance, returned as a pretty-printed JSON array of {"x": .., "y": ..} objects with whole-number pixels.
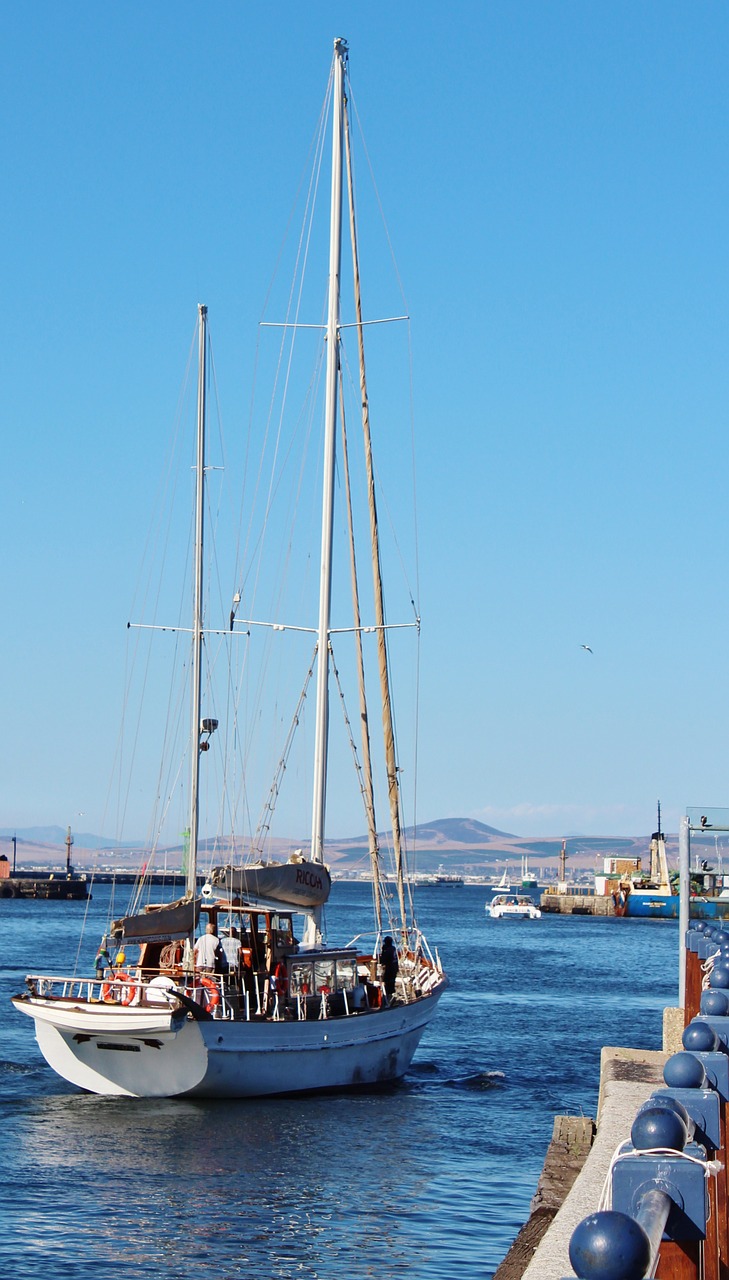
[{"x": 586, "y": 647}]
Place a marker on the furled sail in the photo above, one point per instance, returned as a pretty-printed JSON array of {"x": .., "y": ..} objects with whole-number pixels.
[
  {"x": 157, "y": 924},
  {"x": 296, "y": 883}
]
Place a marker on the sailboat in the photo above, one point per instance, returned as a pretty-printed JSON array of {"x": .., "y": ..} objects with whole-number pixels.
[
  {"x": 504, "y": 884},
  {"x": 288, "y": 1015}
]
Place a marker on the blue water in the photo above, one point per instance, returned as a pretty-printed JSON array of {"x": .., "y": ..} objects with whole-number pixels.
[{"x": 432, "y": 1179}]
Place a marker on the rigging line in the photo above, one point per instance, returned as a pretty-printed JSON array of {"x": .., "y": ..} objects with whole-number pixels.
[
  {"x": 292, "y": 341},
  {"x": 264, "y": 822},
  {"x": 177, "y": 703},
  {"x": 315, "y": 146},
  {"x": 348, "y": 726},
  {"x": 398, "y": 277},
  {"x": 416, "y": 756},
  {"x": 281, "y": 577},
  {"x": 410, "y": 357},
  {"x": 226, "y": 811},
  {"x": 377, "y": 195},
  {"x": 314, "y": 170},
  {"x": 173, "y": 679},
  {"x": 82, "y": 933},
  {"x": 155, "y": 825},
  {"x": 366, "y": 630},
  {"x": 168, "y": 491},
  {"x": 230, "y": 793},
  {"x": 382, "y": 649},
  {"x": 413, "y": 593},
  {"x": 157, "y": 533},
  {"x": 302, "y": 252},
  {"x": 214, "y": 515},
  {"x": 414, "y": 469},
  {"x": 310, "y": 401},
  {"x": 163, "y": 502},
  {"x": 366, "y": 780},
  {"x": 354, "y": 324}
]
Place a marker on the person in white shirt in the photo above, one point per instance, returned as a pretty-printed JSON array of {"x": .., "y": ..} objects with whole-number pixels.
[
  {"x": 231, "y": 949},
  {"x": 206, "y": 950}
]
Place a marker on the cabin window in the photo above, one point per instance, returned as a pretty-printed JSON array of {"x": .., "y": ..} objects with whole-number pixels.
[
  {"x": 282, "y": 930},
  {"x": 346, "y": 974},
  {"x": 324, "y": 975},
  {"x": 301, "y": 979}
]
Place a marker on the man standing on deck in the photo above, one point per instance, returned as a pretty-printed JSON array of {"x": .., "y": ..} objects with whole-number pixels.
[
  {"x": 206, "y": 950},
  {"x": 390, "y": 967}
]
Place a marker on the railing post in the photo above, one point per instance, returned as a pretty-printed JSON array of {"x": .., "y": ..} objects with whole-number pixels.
[
  {"x": 693, "y": 974},
  {"x": 684, "y": 889},
  {"x": 655, "y": 1189},
  {"x": 717, "y": 1071}
]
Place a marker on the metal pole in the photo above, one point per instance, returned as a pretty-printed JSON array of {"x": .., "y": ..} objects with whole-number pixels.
[
  {"x": 325, "y": 585},
  {"x": 198, "y": 603},
  {"x": 652, "y": 1215},
  {"x": 684, "y": 890}
]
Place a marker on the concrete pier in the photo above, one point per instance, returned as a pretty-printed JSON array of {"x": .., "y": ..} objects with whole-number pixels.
[
  {"x": 577, "y": 904},
  {"x": 627, "y": 1078},
  {"x": 56, "y": 887}
]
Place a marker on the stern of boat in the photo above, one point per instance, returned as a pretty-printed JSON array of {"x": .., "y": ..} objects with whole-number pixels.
[{"x": 113, "y": 1051}]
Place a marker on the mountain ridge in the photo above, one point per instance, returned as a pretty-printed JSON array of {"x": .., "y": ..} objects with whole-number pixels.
[{"x": 462, "y": 844}]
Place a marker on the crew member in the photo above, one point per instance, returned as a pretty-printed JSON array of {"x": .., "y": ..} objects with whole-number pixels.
[
  {"x": 207, "y": 949},
  {"x": 390, "y": 967}
]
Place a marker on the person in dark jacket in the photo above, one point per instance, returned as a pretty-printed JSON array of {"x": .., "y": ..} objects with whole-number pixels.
[{"x": 390, "y": 966}]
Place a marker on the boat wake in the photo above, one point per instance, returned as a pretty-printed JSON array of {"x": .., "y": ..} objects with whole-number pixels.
[
  {"x": 423, "y": 1075},
  {"x": 21, "y": 1069},
  {"x": 478, "y": 1081}
]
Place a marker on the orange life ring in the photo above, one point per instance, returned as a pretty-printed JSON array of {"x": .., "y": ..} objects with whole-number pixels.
[
  {"x": 108, "y": 992},
  {"x": 211, "y": 993},
  {"x": 128, "y": 990}
]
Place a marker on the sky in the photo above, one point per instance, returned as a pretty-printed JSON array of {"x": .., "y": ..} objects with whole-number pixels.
[{"x": 554, "y": 177}]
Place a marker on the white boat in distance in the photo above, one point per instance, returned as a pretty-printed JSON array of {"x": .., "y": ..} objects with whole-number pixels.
[
  {"x": 510, "y": 906},
  {"x": 287, "y": 1016},
  {"x": 504, "y": 884}
]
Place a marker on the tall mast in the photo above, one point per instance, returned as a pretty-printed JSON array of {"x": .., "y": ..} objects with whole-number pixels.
[
  {"x": 330, "y": 427},
  {"x": 197, "y": 620},
  {"x": 393, "y": 787}
]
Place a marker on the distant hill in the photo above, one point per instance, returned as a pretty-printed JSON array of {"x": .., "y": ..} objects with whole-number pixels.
[
  {"x": 463, "y": 830},
  {"x": 445, "y": 831},
  {"x": 458, "y": 844},
  {"x": 57, "y": 835}
]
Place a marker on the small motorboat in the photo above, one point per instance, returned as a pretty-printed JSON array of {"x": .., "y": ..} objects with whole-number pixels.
[{"x": 513, "y": 906}]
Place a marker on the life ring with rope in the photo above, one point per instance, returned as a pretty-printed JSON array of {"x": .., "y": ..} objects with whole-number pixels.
[{"x": 129, "y": 990}]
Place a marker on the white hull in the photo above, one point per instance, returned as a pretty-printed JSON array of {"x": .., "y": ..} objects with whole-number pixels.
[
  {"x": 509, "y": 908},
  {"x": 219, "y": 1059}
]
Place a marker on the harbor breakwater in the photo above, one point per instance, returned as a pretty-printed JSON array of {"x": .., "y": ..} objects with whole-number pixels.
[{"x": 643, "y": 1190}]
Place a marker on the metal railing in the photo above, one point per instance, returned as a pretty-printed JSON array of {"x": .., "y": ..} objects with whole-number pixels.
[{"x": 667, "y": 1205}]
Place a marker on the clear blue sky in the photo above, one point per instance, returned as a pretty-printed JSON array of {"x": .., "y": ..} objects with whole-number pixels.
[{"x": 555, "y": 182}]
